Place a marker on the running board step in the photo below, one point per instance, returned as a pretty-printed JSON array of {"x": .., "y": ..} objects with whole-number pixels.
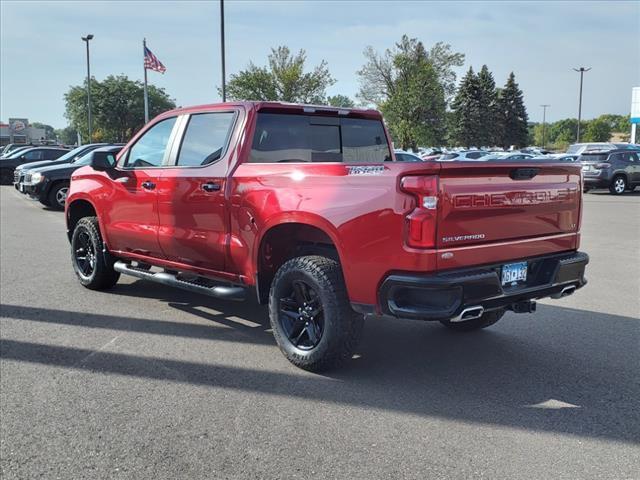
[{"x": 225, "y": 292}]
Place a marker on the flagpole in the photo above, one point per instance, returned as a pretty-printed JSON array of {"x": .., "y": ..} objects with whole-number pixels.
[{"x": 146, "y": 96}]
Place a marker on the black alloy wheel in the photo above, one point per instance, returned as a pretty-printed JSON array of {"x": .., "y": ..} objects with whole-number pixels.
[
  {"x": 84, "y": 254},
  {"x": 301, "y": 315}
]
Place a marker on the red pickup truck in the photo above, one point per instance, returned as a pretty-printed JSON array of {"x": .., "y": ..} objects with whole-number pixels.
[{"x": 307, "y": 207}]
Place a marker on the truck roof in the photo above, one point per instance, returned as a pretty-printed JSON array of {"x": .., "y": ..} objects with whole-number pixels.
[{"x": 283, "y": 107}]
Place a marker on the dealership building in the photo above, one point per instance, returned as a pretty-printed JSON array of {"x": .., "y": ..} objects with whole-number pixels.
[{"x": 18, "y": 130}]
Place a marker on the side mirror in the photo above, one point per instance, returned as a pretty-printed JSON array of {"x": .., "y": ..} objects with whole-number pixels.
[{"x": 103, "y": 161}]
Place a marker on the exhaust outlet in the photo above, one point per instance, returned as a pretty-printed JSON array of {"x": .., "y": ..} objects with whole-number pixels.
[
  {"x": 565, "y": 292},
  {"x": 469, "y": 313}
]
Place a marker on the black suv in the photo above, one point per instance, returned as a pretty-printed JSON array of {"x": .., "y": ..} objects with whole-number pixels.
[
  {"x": 618, "y": 170},
  {"x": 50, "y": 183},
  {"x": 8, "y": 164}
]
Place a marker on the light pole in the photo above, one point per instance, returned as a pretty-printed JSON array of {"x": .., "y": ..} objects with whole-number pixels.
[
  {"x": 581, "y": 70},
  {"x": 86, "y": 40},
  {"x": 224, "y": 81},
  {"x": 544, "y": 125}
]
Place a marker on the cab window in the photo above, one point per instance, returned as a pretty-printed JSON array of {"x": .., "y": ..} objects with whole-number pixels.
[
  {"x": 149, "y": 150},
  {"x": 205, "y": 139}
]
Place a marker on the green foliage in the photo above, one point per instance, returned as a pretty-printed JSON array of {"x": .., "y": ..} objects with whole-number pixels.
[
  {"x": 512, "y": 115},
  {"x": 117, "y": 107},
  {"x": 282, "y": 80},
  {"x": 467, "y": 116},
  {"x": 488, "y": 131},
  {"x": 617, "y": 123},
  {"x": 598, "y": 130},
  {"x": 49, "y": 131},
  {"x": 67, "y": 135},
  {"x": 409, "y": 85},
  {"x": 340, "y": 101}
]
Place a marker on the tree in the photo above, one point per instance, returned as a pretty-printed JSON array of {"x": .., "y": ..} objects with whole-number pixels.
[
  {"x": 598, "y": 130},
  {"x": 406, "y": 86},
  {"x": 488, "y": 106},
  {"x": 512, "y": 115},
  {"x": 283, "y": 79},
  {"x": 49, "y": 131},
  {"x": 465, "y": 129},
  {"x": 67, "y": 135},
  {"x": 340, "y": 101},
  {"x": 117, "y": 107},
  {"x": 444, "y": 61}
]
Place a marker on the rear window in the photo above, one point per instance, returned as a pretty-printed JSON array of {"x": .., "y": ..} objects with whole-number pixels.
[
  {"x": 307, "y": 138},
  {"x": 601, "y": 157}
]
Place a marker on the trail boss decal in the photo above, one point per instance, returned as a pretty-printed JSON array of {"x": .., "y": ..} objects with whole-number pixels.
[{"x": 374, "y": 170}]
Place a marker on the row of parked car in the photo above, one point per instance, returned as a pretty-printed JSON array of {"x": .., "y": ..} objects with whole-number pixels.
[
  {"x": 44, "y": 173},
  {"x": 614, "y": 166}
]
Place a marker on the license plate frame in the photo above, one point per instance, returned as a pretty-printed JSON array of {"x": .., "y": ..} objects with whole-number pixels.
[{"x": 514, "y": 273}]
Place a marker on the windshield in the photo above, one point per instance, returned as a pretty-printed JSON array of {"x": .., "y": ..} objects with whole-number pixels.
[
  {"x": 602, "y": 157},
  {"x": 16, "y": 154},
  {"x": 69, "y": 156},
  {"x": 575, "y": 148},
  {"x": 84, "y": 159},
  {"x": 449, "y": 156}
]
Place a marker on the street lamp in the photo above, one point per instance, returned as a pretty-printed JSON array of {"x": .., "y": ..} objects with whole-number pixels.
[
  {"x": 544, "y": 126},
  {"x": 86, "y": 40},
  {"x": 224, "y": 81},
  {"x": 581, "y": 70}
]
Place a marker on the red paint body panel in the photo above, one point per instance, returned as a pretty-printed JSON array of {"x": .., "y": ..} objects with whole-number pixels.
[{"x": 218, "y": 234}]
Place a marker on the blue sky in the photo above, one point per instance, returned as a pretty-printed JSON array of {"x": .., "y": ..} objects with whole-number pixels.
[{"x": 42, "y": 55}]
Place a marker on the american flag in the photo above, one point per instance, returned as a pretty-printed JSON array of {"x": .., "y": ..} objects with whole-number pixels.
[{"x": 151, "y": 62}]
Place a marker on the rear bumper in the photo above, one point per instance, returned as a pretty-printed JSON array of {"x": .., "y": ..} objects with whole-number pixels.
[
  {"x": 444, "y": 296},
  {"x": 596, "y": 182}
]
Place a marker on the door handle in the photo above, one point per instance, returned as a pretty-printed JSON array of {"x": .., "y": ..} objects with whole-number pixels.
[
  {"x": 211, "y": 187},
  {"x": 147, "y": 185}
]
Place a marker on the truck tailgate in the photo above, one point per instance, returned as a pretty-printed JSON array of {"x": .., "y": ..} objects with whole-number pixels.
[{"x": 494, "y": 202}]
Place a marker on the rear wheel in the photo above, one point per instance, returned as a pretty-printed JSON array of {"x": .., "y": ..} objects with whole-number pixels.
[
  {"x": 58, "y": 195},
  {"x": 310, "y": 314},
  {"x": 486, "y": 320},
  {"x": 618, "y": 185},
  {"x": 93, "y": 268}
]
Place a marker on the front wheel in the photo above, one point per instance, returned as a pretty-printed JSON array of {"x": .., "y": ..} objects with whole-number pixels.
[
  {"x": 618, "y": 185},
  {"x": 58, "y": 195},
  {"x": 486, "y": 320},
  {"x": 92, "y": 267},
  {"x": 310, "y": 314}
]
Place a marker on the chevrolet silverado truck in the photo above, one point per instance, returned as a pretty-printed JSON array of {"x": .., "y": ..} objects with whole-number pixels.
[{"x": 306, "y": 207}]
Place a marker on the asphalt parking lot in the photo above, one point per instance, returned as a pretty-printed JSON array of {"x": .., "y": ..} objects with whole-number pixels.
[{"x": 149, "y": 382}]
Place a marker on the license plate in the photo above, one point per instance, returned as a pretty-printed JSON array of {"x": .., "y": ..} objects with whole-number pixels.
[{"x": 514, "y": 272}]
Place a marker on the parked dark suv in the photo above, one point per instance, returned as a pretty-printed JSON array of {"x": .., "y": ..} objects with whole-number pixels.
[
  {"x": 9, "y": 164},
  {"x": 618, "y": 170},
  {"x": 50, "y": 183}
]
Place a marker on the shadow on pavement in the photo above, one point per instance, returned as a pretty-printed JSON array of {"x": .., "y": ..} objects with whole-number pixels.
[{"x": 584, "y": 364}]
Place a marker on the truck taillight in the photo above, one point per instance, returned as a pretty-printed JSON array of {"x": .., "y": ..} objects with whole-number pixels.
[{"x": 421, "y": 222}]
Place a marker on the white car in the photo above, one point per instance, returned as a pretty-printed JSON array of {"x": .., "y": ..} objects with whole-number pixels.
[
  {"x": 508, "y": 156},
  {"x": 463, "y": 155}
]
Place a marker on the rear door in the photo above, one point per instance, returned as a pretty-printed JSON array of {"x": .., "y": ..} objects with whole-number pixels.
[
  {"x": 505, "y": 201},
  {"x": 132, "y": 221},
  {"x": 191, "y": 195}
]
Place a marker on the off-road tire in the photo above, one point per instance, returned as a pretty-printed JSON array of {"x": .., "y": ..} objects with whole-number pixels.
[
  {"x": 52, "y": 198},
  {"x": 102, "y": 276},
  {"x": 486, "y": 320},
  {"x": 342, "y": 328},
  {"x": 618, "y": 185}
]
